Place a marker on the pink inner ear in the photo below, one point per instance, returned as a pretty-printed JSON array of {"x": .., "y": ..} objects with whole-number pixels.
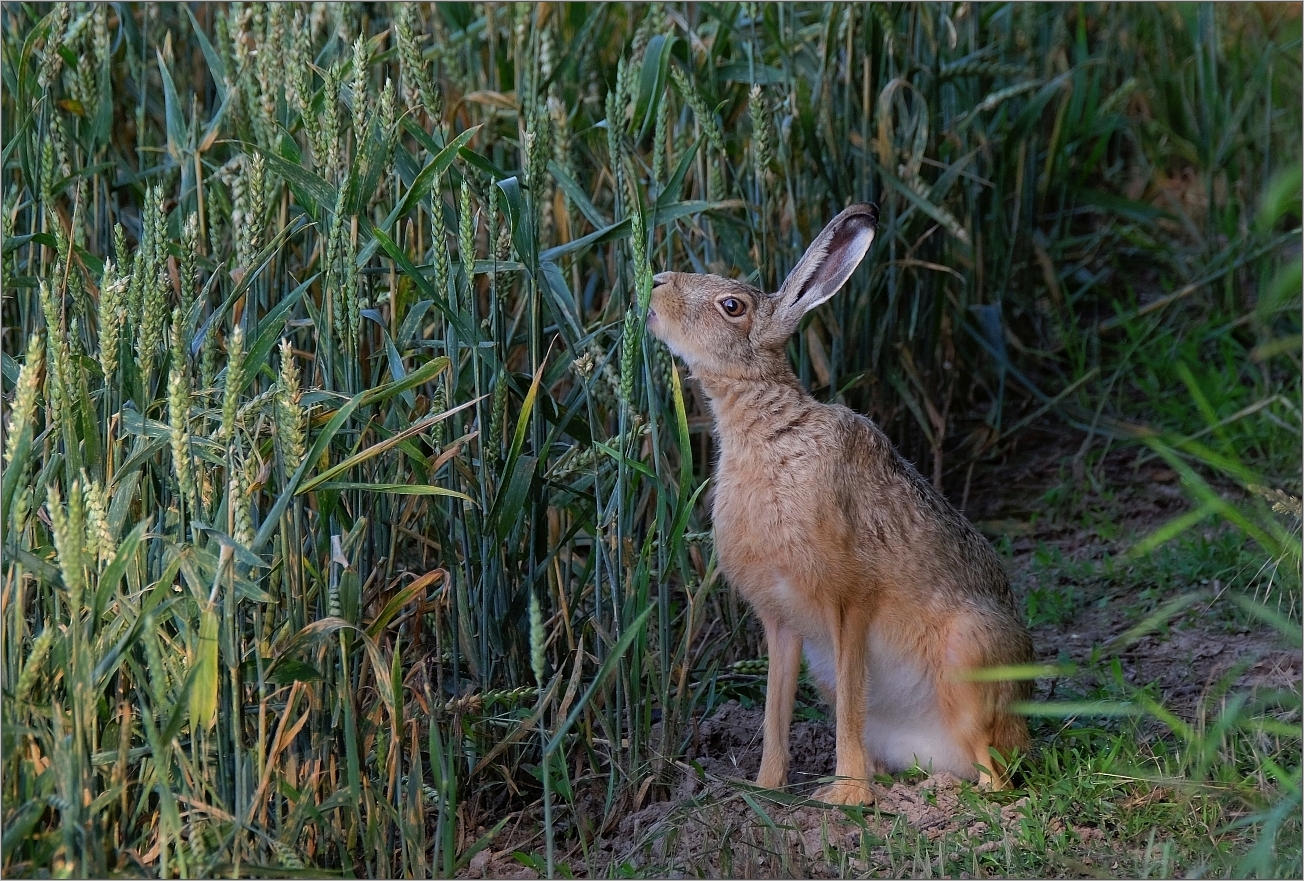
[
  {"x": 829, "y": 262},
  {"x": 846, "y": 249}
]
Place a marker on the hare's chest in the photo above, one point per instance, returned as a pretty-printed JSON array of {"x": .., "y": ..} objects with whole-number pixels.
[{"x": 765, "y": 526}]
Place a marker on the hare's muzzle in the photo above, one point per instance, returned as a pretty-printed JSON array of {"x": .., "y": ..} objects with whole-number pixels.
[{"x": 660, "y": 287}]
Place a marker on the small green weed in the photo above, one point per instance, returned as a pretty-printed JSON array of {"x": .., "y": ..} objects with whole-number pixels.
[{"x": 1054, "y": 605}]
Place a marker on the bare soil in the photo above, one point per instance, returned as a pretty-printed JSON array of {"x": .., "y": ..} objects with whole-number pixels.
[{"x": 716, "y": 825}]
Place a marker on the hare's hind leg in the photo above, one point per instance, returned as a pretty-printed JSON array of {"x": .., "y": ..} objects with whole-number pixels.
[
  {"x": 962, "y": 709},
  {"x": 784, "y": 645},
  {"x": 975, "y": 711},
  {"x": 1007, "y": 732}
]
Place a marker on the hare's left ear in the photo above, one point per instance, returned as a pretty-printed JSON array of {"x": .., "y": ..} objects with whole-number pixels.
[{"x": 827, "y": 263}]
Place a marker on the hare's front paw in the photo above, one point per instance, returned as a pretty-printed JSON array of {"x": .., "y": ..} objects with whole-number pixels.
[{"x": 845, "y": 792}]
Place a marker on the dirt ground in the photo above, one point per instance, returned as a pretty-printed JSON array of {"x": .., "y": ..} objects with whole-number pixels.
[{"x": 714, "y": 824}]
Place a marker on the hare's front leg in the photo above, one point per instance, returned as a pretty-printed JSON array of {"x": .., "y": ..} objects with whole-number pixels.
[
  {"x": 850, "y": 647},
  {"x": 784, "y": 644}
]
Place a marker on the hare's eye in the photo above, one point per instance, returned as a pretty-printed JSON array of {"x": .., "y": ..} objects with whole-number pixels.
[{"x": 733, "y": 307}]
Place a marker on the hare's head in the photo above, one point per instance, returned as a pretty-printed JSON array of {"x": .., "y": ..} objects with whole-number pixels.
[{"x": 727, "y": 329}]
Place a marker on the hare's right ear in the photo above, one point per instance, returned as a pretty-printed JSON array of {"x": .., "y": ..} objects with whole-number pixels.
[{"x": 827, "y": 263}]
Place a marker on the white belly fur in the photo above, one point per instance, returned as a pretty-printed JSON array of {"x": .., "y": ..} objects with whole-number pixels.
[{"x": 903, "y": 723}]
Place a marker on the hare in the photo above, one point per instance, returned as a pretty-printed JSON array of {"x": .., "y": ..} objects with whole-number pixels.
[{"x": 841, "y": 547}]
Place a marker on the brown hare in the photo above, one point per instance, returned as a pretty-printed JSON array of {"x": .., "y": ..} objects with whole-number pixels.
[{"x": 840, "y": 546}]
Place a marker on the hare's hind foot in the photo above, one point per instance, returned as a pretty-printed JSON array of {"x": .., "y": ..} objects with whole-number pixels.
[
  {"x": 990, "y": 776},
  {"x": 993, "y": 761},
  {"x": 845, "y": 791}
]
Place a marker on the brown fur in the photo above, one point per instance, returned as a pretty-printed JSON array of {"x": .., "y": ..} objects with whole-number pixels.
[{"x": 840, "y": 545}]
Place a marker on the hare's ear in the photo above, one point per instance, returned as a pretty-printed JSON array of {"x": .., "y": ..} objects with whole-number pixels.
[{"x": 827, "y": 263}]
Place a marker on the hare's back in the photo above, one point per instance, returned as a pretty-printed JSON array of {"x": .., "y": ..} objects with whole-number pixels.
[{"x": 905, "y": 528}]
